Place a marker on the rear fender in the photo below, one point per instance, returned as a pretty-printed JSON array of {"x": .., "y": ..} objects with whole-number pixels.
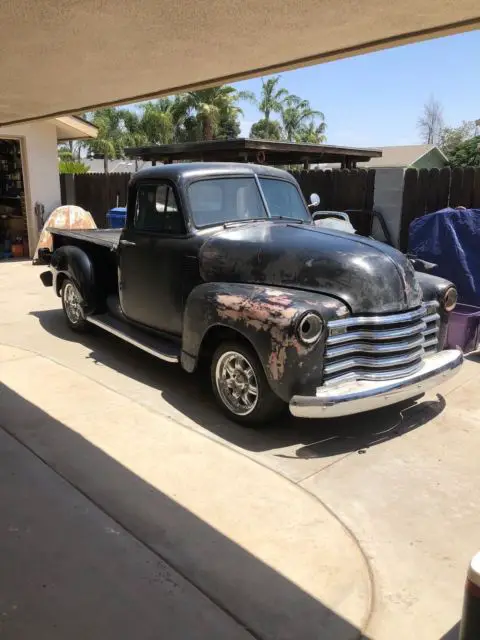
[
  {"x": 72, "y": 262},
  {"x": 267, "y": 318}
]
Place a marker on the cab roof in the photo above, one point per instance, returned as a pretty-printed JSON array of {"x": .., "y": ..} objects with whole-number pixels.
[{"x": 198, "y": 170}]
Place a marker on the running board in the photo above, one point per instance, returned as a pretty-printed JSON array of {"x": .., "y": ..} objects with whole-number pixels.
[{"x": 154, "y": 346}]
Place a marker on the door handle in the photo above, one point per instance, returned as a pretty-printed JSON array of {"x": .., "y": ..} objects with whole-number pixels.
[{"x": 127, "y": 243}]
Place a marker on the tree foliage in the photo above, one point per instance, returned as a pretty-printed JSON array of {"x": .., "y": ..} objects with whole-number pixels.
[
  {"x": 272, "y": 97},
  {"x": 466, "y": 154},
  {"x": 72, "y": 166},
  {"x": 298, "y": 118},
  {"x": 207, "y": 114},
  {"x": 452, "y": 137},
  {"x": 266, "y": 130}
]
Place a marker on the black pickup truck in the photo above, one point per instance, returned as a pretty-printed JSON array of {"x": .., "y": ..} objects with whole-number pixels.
[{"x": 222, "y": 264}]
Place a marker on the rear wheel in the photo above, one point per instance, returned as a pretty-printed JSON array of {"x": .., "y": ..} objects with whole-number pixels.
[
  {"x": 241, "y": 387},
  {"x": 73, "y": 306}
]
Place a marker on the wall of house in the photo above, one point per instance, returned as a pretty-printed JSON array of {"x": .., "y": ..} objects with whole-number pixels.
[
  {"x": 40, "y": 168},
  {"x": 431, "y": 160}
]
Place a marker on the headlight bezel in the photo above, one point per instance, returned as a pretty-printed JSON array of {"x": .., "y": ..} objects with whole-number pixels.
[
  {"x": 310, "y": 328},
  {"x": 450, "y": 299}
]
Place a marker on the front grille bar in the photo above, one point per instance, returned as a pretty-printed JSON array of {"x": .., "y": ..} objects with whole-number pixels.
[{"x": 380, "y": 347}]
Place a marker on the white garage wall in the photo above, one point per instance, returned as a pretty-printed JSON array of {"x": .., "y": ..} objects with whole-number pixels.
[{"x": 40, "y": 167}]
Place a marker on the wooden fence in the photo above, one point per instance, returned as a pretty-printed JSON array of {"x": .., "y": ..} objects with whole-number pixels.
[
  {"x": 95, "y": 192},
  {"x": 428, "y": 190},
  {"x": 339, "y": 190}
]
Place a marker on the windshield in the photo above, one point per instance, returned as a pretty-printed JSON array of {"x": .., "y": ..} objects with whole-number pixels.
[
  {"x": 225, "y": 200},
  {"x": 220, "y": 200},
  {"x": 283, "y": 199}
]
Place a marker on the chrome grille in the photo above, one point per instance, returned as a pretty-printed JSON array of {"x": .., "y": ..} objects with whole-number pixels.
[{"x": 380, "y": 347}]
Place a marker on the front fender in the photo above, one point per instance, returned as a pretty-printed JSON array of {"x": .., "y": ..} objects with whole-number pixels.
[
  {"x": 266, "y": 317},
  {"x": 74, "y": 263},
  {"x": 434, "y": 288}
]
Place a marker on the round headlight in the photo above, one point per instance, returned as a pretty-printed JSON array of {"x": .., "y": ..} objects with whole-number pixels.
[
  {"x": 450, "y": 299},
  {"x": 309, "y": 328}
]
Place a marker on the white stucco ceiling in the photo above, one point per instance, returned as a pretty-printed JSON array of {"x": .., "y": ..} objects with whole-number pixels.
[{"x": 64, "y": 57}]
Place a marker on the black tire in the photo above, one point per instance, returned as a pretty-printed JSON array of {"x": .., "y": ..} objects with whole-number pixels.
[
  {"x": 267, "y": 404},
  {"x": 79, "y": 323}
]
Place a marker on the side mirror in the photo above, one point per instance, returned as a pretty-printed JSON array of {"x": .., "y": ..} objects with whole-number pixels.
[{"x": 314, "y": 200}]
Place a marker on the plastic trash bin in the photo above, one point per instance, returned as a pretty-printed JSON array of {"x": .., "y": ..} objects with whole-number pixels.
[
  {"x": 117, "y": 217},
  {"x": 463, "y": 328}
]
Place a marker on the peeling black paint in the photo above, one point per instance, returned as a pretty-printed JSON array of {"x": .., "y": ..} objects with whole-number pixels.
[
  {"x": 266, "y": 316},
  {"x": 368, "y": 276}
]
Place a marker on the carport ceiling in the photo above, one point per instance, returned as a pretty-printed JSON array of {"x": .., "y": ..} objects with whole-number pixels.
[{"x": 64, "y": 57}]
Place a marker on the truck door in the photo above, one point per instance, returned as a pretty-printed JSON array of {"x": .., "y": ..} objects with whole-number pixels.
[{"x": 151, "y": 259}]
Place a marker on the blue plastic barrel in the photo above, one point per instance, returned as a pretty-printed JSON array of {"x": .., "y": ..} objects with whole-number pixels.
[{"x": 117, "y": 217}]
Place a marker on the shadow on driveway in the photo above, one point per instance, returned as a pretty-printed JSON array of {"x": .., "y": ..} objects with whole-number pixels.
[
  {"x": 191, "y": 395},
  {"x": 264, "y": 602}
]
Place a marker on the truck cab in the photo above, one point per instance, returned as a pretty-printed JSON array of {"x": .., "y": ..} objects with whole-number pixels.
[{"x": 222, "y": 264}]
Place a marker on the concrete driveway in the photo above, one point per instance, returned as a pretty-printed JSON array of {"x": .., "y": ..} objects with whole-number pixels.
[{"x": 307, "y": 529}]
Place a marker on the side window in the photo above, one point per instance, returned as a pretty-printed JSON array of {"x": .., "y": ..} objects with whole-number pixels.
[{"x": 157, "y": 210}]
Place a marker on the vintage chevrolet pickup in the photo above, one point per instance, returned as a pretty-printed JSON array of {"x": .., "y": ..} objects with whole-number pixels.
[{"x": 222, "y": 264}]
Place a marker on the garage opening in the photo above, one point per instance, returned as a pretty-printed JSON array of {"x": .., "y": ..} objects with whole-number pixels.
[{"x": 13, "y": 213}]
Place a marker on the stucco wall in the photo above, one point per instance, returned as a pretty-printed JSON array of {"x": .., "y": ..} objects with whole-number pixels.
[
  {"x": 40, "y": 166},
  {"x": 388, "y": 200}
]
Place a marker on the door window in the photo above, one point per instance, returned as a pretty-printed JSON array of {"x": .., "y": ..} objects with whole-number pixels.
[{"x": 157, "y": 210}]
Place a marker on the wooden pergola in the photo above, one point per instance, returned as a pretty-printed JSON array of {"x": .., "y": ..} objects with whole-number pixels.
[{"x": 256, "y": 151}]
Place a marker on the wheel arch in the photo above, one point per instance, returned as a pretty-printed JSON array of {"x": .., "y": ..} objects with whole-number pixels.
[
  {"x": 218, "y": 333},
  {"x": 73, "y": 263}
]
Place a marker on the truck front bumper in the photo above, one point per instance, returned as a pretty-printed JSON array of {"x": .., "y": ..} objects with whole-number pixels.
[{"x": 333, "y": 401}]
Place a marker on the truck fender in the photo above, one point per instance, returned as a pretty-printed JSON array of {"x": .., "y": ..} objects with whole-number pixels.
[
  {"x": 434, "y": 288},
  {"x": 267, "y": 318},
  {"x": 72, "y": 262}
]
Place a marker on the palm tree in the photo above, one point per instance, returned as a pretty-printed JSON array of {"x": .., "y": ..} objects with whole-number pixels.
[
  {"x": 208, "y": 105},
  {"x": 271, "y": 98},
  {"x": 312, "y": 133},
  {"x": 109, "y": 141},
  {"x": 295, "y": 114},
  {"x": 161, "y": 119}
]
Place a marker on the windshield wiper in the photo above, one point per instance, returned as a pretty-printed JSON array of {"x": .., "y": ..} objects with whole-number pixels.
[
  {"x": 300, "y": 220},
  {"x": 242, "y": 221}
]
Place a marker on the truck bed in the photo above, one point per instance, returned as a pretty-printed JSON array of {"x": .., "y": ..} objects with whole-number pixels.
[{"x": 103, "y": 237}]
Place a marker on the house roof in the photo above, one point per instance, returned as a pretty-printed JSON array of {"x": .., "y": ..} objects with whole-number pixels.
[
  {"x": 74, "y": 128},
  {"x": 69, "y": 57},
  {"x": 248, "y": 150},
  {"x": 401, "y": 156}
]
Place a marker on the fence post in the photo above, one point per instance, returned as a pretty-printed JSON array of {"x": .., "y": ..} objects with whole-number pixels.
[{"x": 69, "y": 188}]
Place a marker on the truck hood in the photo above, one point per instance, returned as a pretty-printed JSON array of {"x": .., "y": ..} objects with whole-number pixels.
[{"x": 369, "y": 276}]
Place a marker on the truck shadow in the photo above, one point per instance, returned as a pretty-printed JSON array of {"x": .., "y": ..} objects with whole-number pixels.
[{"x": 191, "y": 395}]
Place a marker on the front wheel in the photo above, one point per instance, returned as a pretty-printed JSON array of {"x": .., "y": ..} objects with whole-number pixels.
[
  {"x": 73, "y": 307},
  {"x": 240, "y": 385}
]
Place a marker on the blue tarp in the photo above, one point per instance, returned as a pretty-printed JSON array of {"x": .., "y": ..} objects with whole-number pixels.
[{"x": 451, "y": 239}]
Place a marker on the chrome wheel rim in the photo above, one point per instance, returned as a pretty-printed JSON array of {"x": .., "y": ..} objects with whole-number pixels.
[
  {"x": 236, "y": 383},
  {"x": 72, "y": 302}
]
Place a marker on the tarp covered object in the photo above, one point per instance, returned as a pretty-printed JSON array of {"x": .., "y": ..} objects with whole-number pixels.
[
  {"x": 451, "y": 239},
  {"x": 66, "y": 217}
]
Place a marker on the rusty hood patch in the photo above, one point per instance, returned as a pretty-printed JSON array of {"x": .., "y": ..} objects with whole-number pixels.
[{"x": 367, "y": 275}]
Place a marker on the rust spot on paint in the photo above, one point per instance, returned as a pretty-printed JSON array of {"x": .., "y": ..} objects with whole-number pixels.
[{"x": 274, "y": 314}]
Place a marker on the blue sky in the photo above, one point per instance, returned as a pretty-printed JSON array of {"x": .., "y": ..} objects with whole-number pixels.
[{"x": 376, "y": 99}]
